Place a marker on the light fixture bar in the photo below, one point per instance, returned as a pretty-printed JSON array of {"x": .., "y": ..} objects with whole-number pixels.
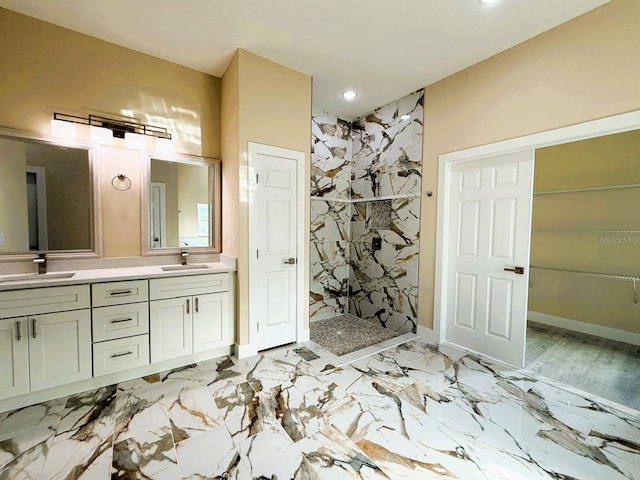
[{"x": 118, "y": 127}]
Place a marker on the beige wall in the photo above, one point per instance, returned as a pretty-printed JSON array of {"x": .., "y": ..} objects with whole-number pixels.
[
  {"x": 273, "y": 107},
  {"x": 585, "y": 69},
  {"x": 121, "y": 215},
  {"x": 582, "y": 230},
  {"x": 13, "y": 197},
  {"x": 50, "y": 69}
]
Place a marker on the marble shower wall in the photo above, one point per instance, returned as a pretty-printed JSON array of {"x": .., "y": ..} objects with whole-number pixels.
[
  {"x": 366, "y": 179},
  {"x": 330, "y": 216},
  {"x": 330, "y": 157},
  {"x": 387, "y": 150}
]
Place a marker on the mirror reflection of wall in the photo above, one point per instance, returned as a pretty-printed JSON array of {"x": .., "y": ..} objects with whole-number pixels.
[
  {"x": 180, "y": 204},
  {"x": 45, "y": 197}
]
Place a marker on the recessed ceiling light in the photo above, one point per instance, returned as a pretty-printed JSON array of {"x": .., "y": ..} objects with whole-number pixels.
[
  {"x": 349, "y": 95},
  {"x": 488, "y": 2},
  {"x": 406, "y": 116}
]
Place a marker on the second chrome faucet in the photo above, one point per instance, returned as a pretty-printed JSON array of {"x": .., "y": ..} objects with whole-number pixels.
[{"x": 41, "y": 261}]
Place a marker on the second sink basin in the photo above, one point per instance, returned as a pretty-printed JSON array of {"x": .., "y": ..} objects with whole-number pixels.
[
  {"x": 172, "y": 268},
  {"x": 36, "y": 276}
]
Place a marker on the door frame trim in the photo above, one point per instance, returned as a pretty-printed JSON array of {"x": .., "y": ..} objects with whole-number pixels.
[
  {"x": 302, "y": 335},
  {"x": 582, "y": 131}
]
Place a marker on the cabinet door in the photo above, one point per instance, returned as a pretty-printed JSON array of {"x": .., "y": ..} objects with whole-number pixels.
[
  {"x": 170, "y": 326},
  {"x": 14, "y": 358},
  {"x": 59, "y": 348},
  {"x": 211, "y": 326}
]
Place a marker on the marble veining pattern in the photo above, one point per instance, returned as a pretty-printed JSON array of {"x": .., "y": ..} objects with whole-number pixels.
[
  {"x": 330, "y": 157},
  {"x": 407, "y": 412},
  {"x": 376, "y": 155}
]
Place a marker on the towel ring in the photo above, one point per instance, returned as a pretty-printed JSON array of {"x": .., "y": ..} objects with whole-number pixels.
[{"x": 125, "y": 182}]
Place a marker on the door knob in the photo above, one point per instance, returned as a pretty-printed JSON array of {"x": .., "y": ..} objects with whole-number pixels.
[
  {"x": 517, "y": 270},
  {"x": 290, "y": 261}
]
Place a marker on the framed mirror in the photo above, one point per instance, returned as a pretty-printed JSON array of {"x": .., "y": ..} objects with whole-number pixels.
[
  {"x": 183, "y": 204},
  {"x": 47, "y": 197}
]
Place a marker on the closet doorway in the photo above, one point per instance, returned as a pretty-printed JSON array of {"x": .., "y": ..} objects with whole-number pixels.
[
  {"x": 578, "y": 246},
  {"x": 584, "y": 319}
]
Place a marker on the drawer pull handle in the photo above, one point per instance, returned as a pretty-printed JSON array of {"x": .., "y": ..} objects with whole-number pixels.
[
  {"x": 120, "y": 320},
  {"x": 188, "y": 303},
  {"x": 19, "y": 328},
  {"x": 116, "y": 355},
  {"x": 34, "y": 331},
  {"x": 121, "y": 292}
]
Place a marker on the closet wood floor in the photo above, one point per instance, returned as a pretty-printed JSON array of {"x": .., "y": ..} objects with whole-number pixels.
[{"x": 593, "y": 364}]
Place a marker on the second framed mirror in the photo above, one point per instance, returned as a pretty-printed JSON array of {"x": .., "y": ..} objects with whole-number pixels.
[{"x": 182, "y": 201}]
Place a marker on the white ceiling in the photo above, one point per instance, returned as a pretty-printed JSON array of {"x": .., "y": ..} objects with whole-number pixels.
[{"x": 383, "y": 49}]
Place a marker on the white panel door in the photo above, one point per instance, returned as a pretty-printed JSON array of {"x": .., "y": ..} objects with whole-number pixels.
[
  {"x": 273, "y": 266},
  {"x": 170, "y": 329},
  {"x": 59, "y": 348},
  {"x": 489, "y": 236},
  {"x": 14, "y": 357},
  {"x": 211, "y": 327}
]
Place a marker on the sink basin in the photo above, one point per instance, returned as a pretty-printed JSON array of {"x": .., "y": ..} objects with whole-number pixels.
[
  {"x": 173, "y": 268},
  {"x": 36, "y": 276}
]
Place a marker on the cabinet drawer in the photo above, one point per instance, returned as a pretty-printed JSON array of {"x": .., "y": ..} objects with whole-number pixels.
[
  {"x": 116, "y": 355},
  {"x": 33, "y": 301},
  {"x": 173, "y": 287},
  {"x": 120, "y": 321},
  {"x": 118, "y": 293}
]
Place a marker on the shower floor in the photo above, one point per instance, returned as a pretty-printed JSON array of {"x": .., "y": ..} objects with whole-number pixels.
[{"x": 347, "y": 333}]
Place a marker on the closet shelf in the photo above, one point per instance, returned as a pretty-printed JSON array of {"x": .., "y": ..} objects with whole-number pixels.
[
  {"x": 607, "y": 276},
  {"x": 587, "y": 232},
  {"x": 589, "y": 189}
]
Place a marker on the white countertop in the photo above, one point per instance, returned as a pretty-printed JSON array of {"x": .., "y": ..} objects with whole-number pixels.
[{"x": 20, "y": 281}]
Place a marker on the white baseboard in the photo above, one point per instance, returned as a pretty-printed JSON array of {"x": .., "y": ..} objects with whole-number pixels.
[
  {"x": 427, "y": 335},
  {"x": 583, "y": 327},
  {"x": 304, "y": 335},
  {"x": 245, "y": 351}
]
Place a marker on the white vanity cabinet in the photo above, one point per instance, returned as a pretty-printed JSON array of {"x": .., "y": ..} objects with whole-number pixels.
[
  {"x": 189, "y": 315},
  {"x": 120, "y": 317},
  {"x": 14, "y": 358},
  {"x": 63, "y": 338},
  {"x": 45, "y": 337}
]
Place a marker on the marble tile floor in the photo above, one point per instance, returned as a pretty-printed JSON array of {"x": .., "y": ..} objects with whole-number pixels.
[
  {"x": 409, "y": 412},
  {"x": 600, "y": 366}
]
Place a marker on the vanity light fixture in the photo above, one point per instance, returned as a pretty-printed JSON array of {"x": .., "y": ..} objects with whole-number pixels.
[
  {"x": 63, "y": 129},
  {"x": 101, "y": 135},
  {"x": 117, "y": 127},
  {"x": 349, "y": 95},
  {"x": 134, "y": 140},
  {"x": 164, "y": 145}
]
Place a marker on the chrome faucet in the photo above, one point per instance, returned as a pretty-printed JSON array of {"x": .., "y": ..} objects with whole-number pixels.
[
  {"x": 183, "y": 256},
  {"x": 41, "y": 261}
]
